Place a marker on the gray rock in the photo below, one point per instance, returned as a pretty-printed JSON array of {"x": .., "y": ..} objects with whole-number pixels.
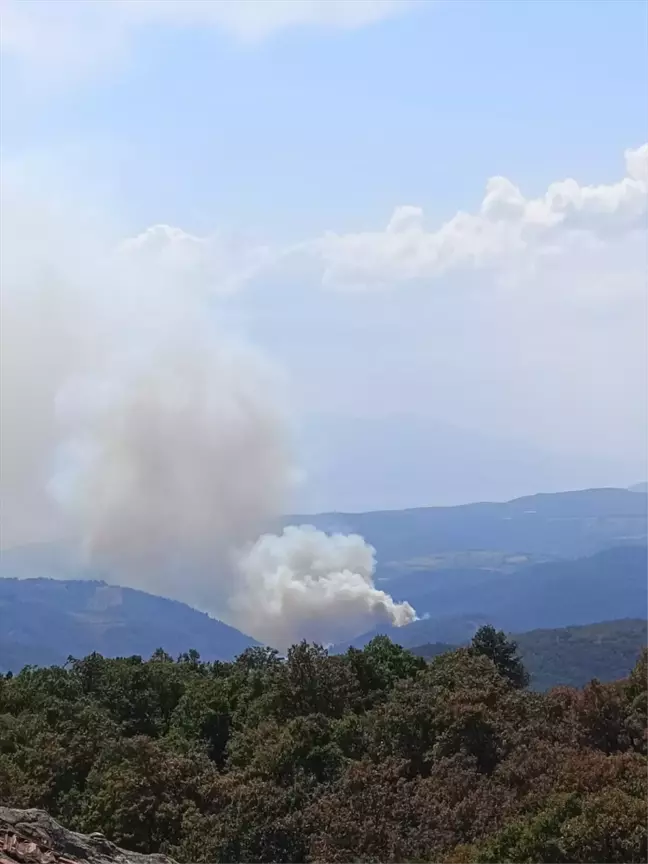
[{"x": 33, "y": 837}]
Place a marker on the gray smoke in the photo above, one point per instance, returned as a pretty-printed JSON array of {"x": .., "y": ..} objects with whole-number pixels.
[{"x": 131, "y": 421}]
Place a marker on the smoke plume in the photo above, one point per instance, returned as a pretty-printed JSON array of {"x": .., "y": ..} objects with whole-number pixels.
[
  {"x": 131, "y": 422},
  {"x": 306, "y": 584}
]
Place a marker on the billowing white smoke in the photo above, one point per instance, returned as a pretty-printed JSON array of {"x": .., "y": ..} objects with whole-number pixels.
[
  {"x": 162, "y": 442},
  {"x": 306, "y": 584}
]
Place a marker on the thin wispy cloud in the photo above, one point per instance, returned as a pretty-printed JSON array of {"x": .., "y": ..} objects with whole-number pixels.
[{"x": 69, "y": 39}]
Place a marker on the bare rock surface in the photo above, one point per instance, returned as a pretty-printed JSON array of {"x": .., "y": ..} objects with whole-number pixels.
[{"x": 33, "y": 837}]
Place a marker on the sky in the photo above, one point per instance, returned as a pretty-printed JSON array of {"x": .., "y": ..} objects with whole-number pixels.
[{"x": 430, "y": 216}]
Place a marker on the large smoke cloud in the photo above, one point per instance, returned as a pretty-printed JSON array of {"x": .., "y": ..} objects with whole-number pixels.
[
  {"x": 161, "y": 441},
  {"x": 306, "y": 584}
]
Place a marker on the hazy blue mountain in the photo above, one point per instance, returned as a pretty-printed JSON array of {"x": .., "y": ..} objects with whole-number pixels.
[
  {"x": 607, "y": 651},
  {"x": 639, "y": 487},
  {"x": 572, "y": 656},
  {"x": 610, "y": 584},
  {"x": 461, "y": 566},
  {"x": 46, "y": 620},
  {"x": 452, "y": 630},
  {"x": 478, "y": 537},
  {"x": 562, "y": 524}
]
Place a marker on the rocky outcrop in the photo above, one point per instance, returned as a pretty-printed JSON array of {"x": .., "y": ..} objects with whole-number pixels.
[{"x": 33, "y": 837}]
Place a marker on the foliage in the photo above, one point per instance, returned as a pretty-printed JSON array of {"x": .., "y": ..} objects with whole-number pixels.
[
  {"x": 374, "y": 755},
  {"x": 493, "y": 644},
  {"x": 573, "y": 655},
  {"x": 52, "y": 618}
]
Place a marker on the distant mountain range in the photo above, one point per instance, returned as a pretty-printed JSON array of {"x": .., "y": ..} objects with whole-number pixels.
[
  {"x": 572, "y": 656},
  {"x": 610, "y": 584},
  {"x": 46, "y": 620},
  {"x": 548, "y": 560},
  {"x": 491, "y": 535},
  {"x": 547, "y": 525}
]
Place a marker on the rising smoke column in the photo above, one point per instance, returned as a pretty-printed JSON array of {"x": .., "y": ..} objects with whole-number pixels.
[
  {"x": 173, "y": 460},
  {"x": 305, "y": 584},
  {"x": 160, "y": 439}
]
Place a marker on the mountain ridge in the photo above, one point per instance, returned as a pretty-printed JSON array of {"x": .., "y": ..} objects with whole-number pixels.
[
  {"x": 572, "y": 656},
  {"x": 47, "y": 620},
  {"x": 561, "y": 524},
  {"x": 609, "y": 584},
  {"x": 460, "y": 566}
]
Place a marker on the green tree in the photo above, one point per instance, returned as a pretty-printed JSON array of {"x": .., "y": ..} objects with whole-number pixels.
[
  {"x": 370, "y": 756},
  {"x": 502, "y": 651}
]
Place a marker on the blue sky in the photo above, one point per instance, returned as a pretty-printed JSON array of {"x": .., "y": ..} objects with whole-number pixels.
[
  {"x": 317, "y": 129},
  {"x": 184, "y": 114}
]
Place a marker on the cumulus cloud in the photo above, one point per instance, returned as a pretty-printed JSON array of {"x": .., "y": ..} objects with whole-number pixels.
[
  {"x": 510, "y": 237},
  {"x": 314, "y": 586},
  {"x": 64, "y": 37},
  {"x": 509, "y": 232},
  {"x": 551, "y": 279},
  {"x": 214, "y": 265}
]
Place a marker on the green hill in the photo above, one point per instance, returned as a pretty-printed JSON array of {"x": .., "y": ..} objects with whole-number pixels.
[
  {"x": 452, "y": 604},
  {"x": 573, "y": 655},
  {"x": 46, "y": 620},
  {"x": 576, "y": 655}
]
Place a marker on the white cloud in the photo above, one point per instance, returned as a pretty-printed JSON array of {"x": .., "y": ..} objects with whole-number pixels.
[
  {"x": 509, "y": 232},
  {"x": 216, "y": 264},
  {"x": 54, "y": 41},
  {"x": 575, "y": 256},
  {"x": 525, "y": 318},
  {"x": 72, "y": 37},
  {"x": 512, "y": 238},
  {"x": 259, "y": 19}
]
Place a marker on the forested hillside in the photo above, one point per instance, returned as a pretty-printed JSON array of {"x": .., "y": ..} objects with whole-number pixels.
[
  {"x": 374, "y": 755},
  {"x": 573, "y": 655},
  {"x": 452, "y": 605},
  {"x": 46, "y": 620}
]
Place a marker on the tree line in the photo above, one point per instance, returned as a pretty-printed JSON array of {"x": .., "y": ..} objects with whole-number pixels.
[{"x": 374, "y": 755}]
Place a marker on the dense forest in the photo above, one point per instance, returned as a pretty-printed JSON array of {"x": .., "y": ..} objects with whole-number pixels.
[
  {"x": 373, "y": 755},
  {"x": 572, "y": 655}
]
